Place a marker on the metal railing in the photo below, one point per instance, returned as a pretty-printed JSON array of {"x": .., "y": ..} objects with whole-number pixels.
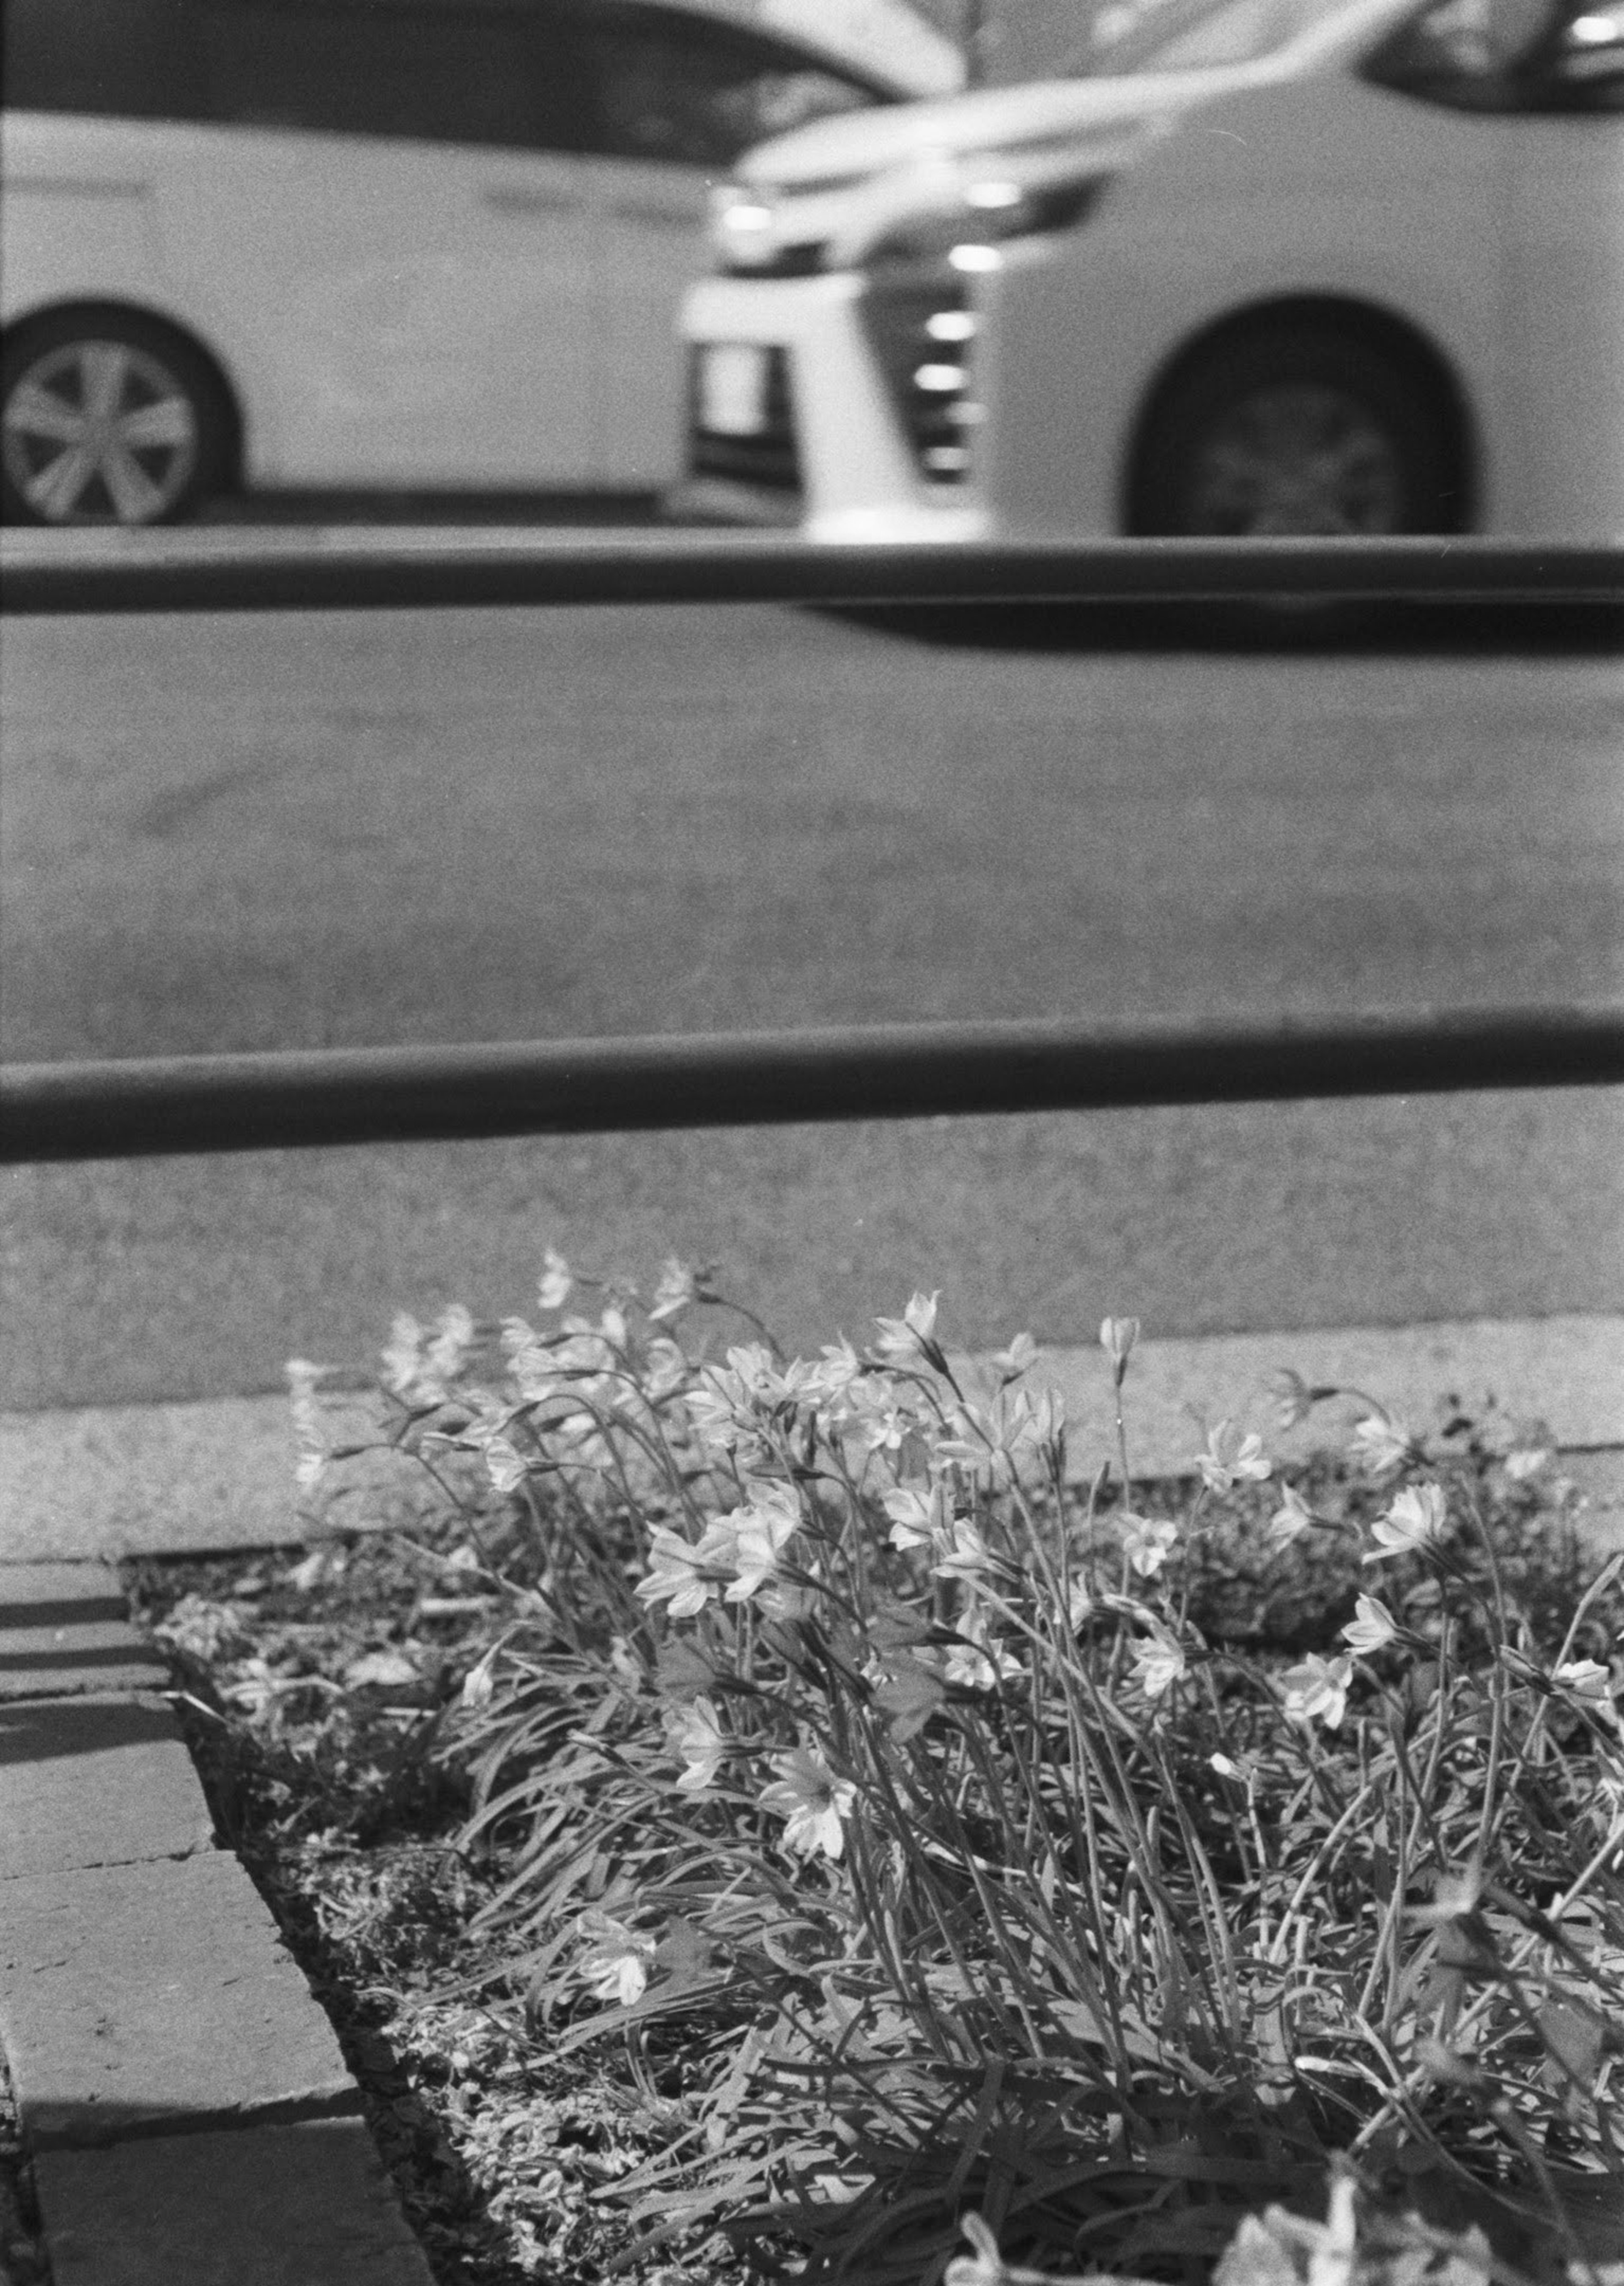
[
  {"x": 244, "y": 568},
  {"x": 296, "y": 1099},
  {"x": 299, "y": 1100}
]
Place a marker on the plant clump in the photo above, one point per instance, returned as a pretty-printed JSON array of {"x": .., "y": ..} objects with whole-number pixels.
[{"x": 923, "y": 1830}]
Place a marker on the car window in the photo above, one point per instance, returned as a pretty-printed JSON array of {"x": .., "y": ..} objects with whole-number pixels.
[
  {"x": 433, "y": 74},
  {"x": 1166, "y": 35},
  {"x": 117, "y": 58},
  {"x": 680, "y": 89},
  {"x": 1506, "y": 55}
]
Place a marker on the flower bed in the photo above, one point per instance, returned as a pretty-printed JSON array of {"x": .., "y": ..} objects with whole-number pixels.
[{"x": 752, "y": 1816}]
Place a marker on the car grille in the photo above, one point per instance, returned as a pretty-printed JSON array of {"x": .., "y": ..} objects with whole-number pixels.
[
  {"x": 910, "y": 323},
  {"x": 770, "y": 456}
]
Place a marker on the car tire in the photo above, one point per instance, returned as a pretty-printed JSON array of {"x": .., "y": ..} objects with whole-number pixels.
[
  {"x": 109, "y": 419},
  {"x": 1298, "y": 431}
]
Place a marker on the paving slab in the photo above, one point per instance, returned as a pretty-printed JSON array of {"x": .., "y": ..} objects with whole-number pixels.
[
  {"x": 65, "y": 1630},
  {"x": 87, "y": 1782},
  {"x": 266, "y": 2206},
  {"x": 145, "y": 2000}
]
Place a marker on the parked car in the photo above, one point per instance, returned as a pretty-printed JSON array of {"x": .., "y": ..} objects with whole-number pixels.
[
  {"x": 1288, "y": 266},
  {"x": 374, "y": 243}
]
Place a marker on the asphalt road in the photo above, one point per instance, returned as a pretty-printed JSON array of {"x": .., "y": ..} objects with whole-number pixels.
[{"x": 229, "y": 833}]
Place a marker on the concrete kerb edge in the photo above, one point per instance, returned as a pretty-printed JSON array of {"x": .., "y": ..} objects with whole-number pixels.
[{"x": 210, "y": 1475}]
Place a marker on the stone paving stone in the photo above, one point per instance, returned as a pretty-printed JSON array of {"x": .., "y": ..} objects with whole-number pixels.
[
  {"x": 154, "y": 1999},
  {"x": 264, "y": 2206},
  {"x": 64, "y": 1629},
  {"x": 95, "y": 1781}
]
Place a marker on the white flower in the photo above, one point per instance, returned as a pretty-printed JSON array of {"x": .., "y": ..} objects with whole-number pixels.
[
  {"x": 1294, "y": 1400},
  {"x": 1586, "y": 1678},
  {"x": 972, "y": 1663},
  {"x": 677, "y": 1288},
  {"x": 1019, "y": 1358},
  {"x": 1082, "y": 1603},
  {"x": 1416, "y": 1521},
  {"x": 1224, "y": 1768},
  {"x": 1158, "y": 1663},
  {"x": 1117, "y": 1337},
  {"x": 696, "y": 1733},
  {"x": 404, "y": 1375},
  {"x": 1230, "y": 1459},
  {"x": 1147, "y": 1546},
  {"x": 1316, "y": 1690},
  {"x": 556, "y": 1284},
  {"x": 679, "y": 1575},
  {"x": 966, "y": 1556},
  {"x": 1527, "y": 1462},
  {"x": 912, "y": 1515},
  {"x": 454, "y": 1338},
  {"x": 914, "y": 1335},
  {"x": 1374, "y": 1627},
  {"x": 815, "y": 1802},
  {"x": 615, "y": 1964},
  {"x": 505, "y": 1464},
  {"x": 309, "y": 1469},
  {"x": 479, "y": 1683},
  {"x": 1290, "y": 1519},
  {"x": 760, "y": 1534},
  {"x": 1379, "y": 1444}
]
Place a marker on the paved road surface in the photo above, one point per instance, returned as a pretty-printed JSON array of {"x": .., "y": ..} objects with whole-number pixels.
[{"x": 236, "y": 831}]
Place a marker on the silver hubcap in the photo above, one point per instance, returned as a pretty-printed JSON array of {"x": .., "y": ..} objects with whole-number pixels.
[
  {"x": 1296, "y": 458},
  {"x": 100, "y": 432}
]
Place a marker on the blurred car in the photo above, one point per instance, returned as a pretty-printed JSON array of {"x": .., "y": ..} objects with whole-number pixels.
[
  {"x": 374, "y": 243},
  {"x": 1275, "y": 266}
]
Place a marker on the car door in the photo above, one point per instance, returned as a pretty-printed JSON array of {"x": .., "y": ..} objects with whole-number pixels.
[
  {"x": 1565, "y": 243},
  {"x": 678, "y": 96},
  {"x": 393, "y": 225}
]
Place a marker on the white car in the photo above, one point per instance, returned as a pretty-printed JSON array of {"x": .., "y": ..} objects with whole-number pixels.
[
  {"x": 1281, "y": 266},
  {"x": 373, "y": 243}
]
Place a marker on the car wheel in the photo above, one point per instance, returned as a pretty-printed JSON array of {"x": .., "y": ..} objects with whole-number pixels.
[
  {"x": 1297, "y": 432},
  {"x": 108, "y": 420}
]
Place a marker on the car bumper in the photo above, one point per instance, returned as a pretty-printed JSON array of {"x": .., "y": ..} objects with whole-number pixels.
[{"x": 853, "y": 472}]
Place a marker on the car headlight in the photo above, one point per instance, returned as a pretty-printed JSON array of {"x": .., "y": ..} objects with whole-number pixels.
[
  {"x": 741, "y": 226},
  {"x": 966, "y": 234}
]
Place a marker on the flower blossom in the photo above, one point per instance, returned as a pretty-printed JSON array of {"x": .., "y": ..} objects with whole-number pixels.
[
  {"x": 912, "y": 1335},
  {"x": 303, "y": 1378},
  {"x": 1294, "y": 1400},
  {"x": 615, "y": 1962},
  {"x": 680, "y": 1574},
  {"x": 1587, "y": 1679},
  {"x": 1527, "y": 1461},
  {"x": 914, "y": 1516},
  {"x": 1316, "y": 1690},
  {"x": 1019, "y": 1358},
  {"x": 1374, "y": 1626},
  {"x": 760, "y": 1531},
  {"x": 405, "y": 1375},
  {"x": 1230, "y": 1459},
  {"x": 694, "y": 1732},
  {"x": 679, "y": 1285},
  {"x": 967, "y": 1555},
  {"x": 1379, "y": 1444},
  {"x": 454, "y": 1338},
  {"x": 1158, "y": 1663},
  {"x": 1117, "y": 1337},
  {"x": 556, "y": 1283},
  {"x": 1416, "y": 1521},
  {"x": 1290, "y": 1519},
  {"x": 1146, "y": 1545},
  {"x": 814, "y": 1802},
  {"x": 975, "y": 1664}
]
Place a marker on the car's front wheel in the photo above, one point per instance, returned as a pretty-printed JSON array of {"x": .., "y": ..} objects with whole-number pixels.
[
  {"x": 108, "y": 420},
  {"x": 1300, "y": 432}
]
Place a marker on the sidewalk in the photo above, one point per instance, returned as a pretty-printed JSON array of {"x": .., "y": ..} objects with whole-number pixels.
[{"x": 189, "y": 2117}]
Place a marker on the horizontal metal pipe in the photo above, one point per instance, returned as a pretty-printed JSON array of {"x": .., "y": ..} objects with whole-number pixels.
[
  {"x": 260, "y": 569},
  {"x": 322, "y": 1097}
]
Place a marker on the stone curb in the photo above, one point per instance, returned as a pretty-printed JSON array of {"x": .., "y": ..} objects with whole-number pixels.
[
  {"x": 200, "y": 1477},
  {"x": 182, "y": 2095}
]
